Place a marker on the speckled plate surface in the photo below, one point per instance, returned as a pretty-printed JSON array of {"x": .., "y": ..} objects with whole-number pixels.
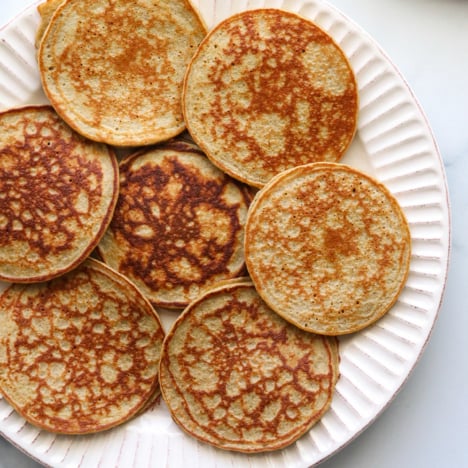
[{"x": 394, "y": 144}]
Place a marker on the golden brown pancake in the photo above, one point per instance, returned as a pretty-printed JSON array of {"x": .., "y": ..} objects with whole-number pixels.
[
  {"x": 327, "y": 247},
  {"x": 57, "y": 194},
  {"x": 268, "y": 90},
  {"x": 178, "y": 226},
  {"x": 80, "y": 353},
  {"x": 114, "y": 69},
  {"x": 236, "y": 375}
]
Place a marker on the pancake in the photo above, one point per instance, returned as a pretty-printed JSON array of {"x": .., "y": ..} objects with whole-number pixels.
[
  {"x": 114, "y": 70},
  {"x": 57, "y": 194},
  {"x": 327, "y": 247},
  {"x": 235, "y": 375},
  {"x": 268, "y": 90},
  {"x": 78, "y": 354},
  {"x": 178, "y": 226},
  {"x": 46, "y": 10}
]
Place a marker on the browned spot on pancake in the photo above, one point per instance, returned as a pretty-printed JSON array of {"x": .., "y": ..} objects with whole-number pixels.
[
  {"x": 182, "y": 215},
  {"x": 327, "y": 247},
  {"x": 178, "y": 221},
  {"x": 82, "y": 351},
  {"x": 127, "y": 58},
  {"x": 277, "y": 93},
  {"x": 289, "y": 85},
  {"x": 57, "y": 193},
  {"x": 39, "y": 166},
  {"x": 236, "y": 375}
]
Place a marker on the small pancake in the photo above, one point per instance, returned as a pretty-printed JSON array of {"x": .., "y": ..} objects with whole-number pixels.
[
  {"x": 327, "y": 247},
  {"x": 178, "y": 226},
  {"x": 78, "y": 354},
  {"x": 236, "y": 375},
  {"x": 268, "y": 90},
  {"x": 114, "y": 70},
  {"x": 58, "y": 192}
]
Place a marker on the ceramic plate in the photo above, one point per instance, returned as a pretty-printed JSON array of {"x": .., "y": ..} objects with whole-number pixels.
[{"x": 394, "y": 144}]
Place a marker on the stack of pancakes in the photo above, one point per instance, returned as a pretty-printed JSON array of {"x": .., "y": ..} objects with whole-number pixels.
[{"x": 247, "y": 224}]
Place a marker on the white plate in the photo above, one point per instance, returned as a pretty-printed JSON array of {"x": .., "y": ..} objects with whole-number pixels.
[{"x": 394, "y": 143}]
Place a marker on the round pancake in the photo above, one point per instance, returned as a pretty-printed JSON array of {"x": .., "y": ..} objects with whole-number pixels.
[
  {"x": 80, "y": 353},
  {"x": 327, "y": 247},
  {"x": 268, "y": 90},
  {"x": 114, "y": 69},
  {"x": 178, "y": 226},
  {"x": 236, "y": 375},
  {"x": 57, "y": 194}
]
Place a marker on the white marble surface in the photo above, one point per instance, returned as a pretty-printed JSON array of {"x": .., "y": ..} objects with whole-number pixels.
[{"x": 427, "y": 423}]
